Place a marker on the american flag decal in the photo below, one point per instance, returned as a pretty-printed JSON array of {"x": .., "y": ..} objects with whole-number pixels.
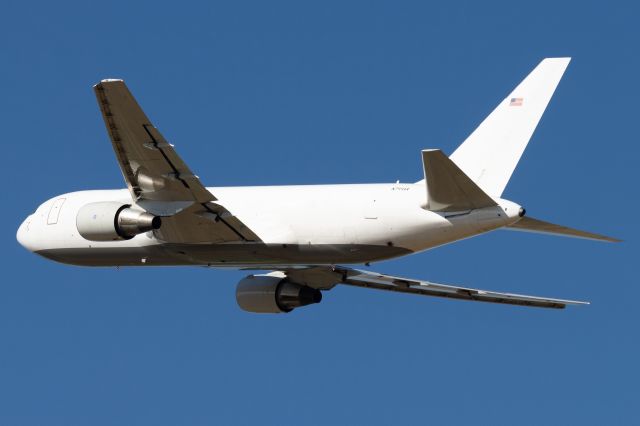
[{"x": 516, "y": 102}]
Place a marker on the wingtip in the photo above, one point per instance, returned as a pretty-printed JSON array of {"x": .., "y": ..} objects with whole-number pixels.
[{"x": 566, "y": 303}]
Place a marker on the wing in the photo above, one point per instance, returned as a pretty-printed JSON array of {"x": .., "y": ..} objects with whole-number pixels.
[
  {"x": 151, "y": 167},
  {"x": 320, "y": 277},
  {"x": 159, "y": 181}
]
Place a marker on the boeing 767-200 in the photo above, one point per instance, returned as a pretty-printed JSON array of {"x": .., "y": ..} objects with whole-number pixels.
[{"x": 299, "y": 234}]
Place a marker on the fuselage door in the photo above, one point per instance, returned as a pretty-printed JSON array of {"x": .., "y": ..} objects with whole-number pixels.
[{"x": 52, "y": 219}]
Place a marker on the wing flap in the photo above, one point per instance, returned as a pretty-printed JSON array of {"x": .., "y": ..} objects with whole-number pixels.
[{"x": 204, "y": 224}]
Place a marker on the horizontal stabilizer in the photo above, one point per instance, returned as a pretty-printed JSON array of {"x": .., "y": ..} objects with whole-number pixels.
[
  {"x": 448, "y": 188},
  {"x": 529, "y": 224}
]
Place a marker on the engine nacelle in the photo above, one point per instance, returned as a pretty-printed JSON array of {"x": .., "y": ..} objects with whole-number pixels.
[
  {"x": 272, "y": 293},
  {"x": 111, "y": 221}
]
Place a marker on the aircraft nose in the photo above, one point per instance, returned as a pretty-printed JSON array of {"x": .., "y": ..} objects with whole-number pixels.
[{"x": 24, "y": 237}]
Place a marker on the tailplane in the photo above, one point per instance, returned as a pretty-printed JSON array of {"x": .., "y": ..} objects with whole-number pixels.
[
  {"x": 529, "y": 224},
  {"x": 490, "y": 154},
  {"x": 448, "y": 188}
]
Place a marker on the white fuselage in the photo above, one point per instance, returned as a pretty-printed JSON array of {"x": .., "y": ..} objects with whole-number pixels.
[{"x": 296, "y": 225}]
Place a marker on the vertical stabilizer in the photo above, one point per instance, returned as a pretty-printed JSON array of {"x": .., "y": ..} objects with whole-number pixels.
[{"x": 490, "y": 154}]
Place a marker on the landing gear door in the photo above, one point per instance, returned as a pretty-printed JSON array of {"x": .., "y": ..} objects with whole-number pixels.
[{"x": 52, "y": 219}]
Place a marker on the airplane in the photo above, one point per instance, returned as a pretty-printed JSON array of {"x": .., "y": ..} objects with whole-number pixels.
[{"x": 304, "y": 234}]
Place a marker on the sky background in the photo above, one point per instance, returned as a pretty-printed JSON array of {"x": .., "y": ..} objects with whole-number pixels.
[{"x": 310, "y": 93}]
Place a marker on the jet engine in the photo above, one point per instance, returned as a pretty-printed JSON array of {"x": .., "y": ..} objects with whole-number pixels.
[
  {"x": 112, "y": 221},
  {"x": 272, "y": 293}
]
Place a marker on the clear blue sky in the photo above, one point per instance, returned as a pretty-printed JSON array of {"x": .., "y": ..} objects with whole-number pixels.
[{"x": 329, "y": 92}]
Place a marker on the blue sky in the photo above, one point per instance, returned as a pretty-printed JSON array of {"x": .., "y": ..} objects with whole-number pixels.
[{"x": 325, "y": 92}]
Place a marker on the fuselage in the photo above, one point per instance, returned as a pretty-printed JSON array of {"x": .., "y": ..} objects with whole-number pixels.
[{"x": 295, "y": 225}]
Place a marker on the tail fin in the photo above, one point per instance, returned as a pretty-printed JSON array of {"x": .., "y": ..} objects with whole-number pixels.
[
  {"x": 529, "y": 224},
  {"x": 490, "y": 154}
]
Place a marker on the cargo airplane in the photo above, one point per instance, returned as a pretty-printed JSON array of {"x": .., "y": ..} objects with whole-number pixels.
[{"x": 298, "y": 236}]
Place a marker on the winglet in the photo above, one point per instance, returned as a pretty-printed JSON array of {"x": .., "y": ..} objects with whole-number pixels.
[{"x": 448, "y": 188}]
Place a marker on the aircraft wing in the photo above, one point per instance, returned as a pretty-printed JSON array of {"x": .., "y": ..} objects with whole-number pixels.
[
  {"x": 319, "y": 276},
  {"x": 151, "y": 167},
  {"x": 157, "y": 178}
]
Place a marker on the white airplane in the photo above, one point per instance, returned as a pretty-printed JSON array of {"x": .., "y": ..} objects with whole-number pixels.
[{"x": 300, "y": 233}]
